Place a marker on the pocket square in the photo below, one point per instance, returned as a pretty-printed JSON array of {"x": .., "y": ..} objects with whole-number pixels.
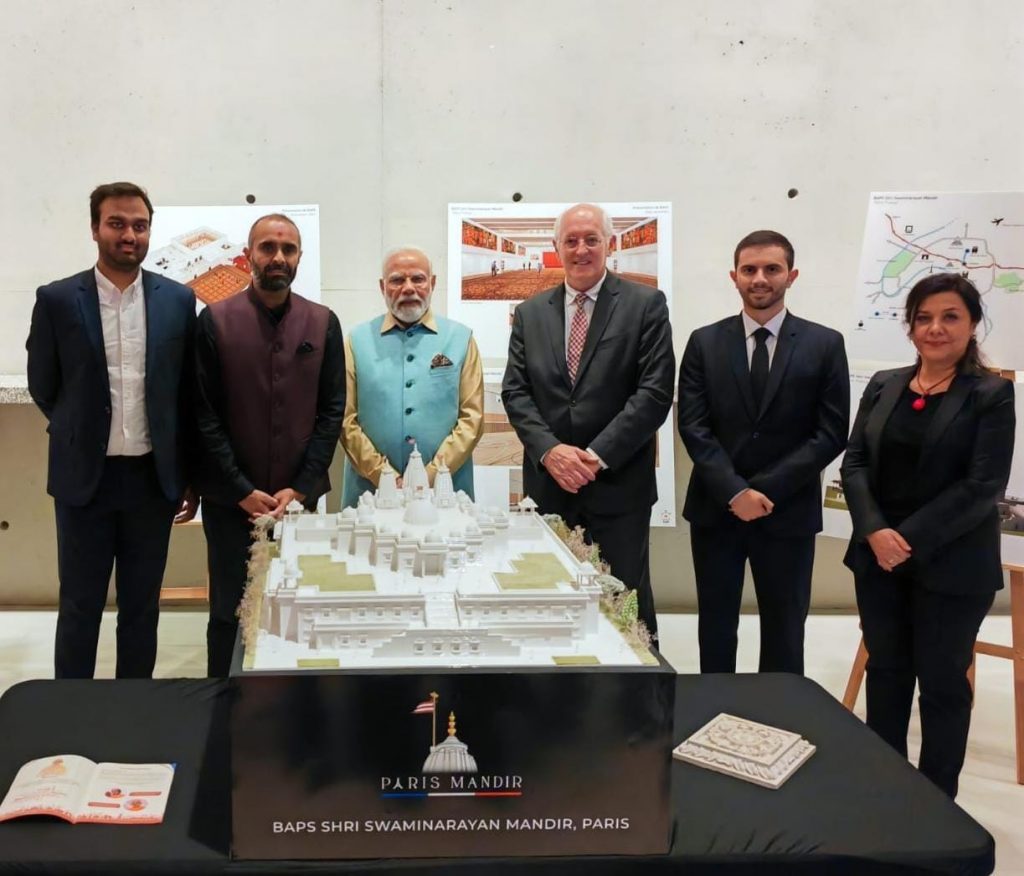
[
  {"x": 305, "y": 347},
  {"x": 440, "y": 361}
]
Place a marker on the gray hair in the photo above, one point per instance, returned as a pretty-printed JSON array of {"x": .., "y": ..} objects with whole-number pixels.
[
  {"x": 606, "y": 220},
  {"x": 391, "y": 253}
]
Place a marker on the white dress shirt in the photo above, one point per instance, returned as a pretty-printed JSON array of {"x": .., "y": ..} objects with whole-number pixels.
[
  {"x": 588, "y": 306},
  {"x": 773, "y": 325},
  {"x": 123, "y": 318}
]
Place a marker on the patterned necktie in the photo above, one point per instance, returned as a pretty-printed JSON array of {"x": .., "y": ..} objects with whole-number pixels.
[
  {"x": 577, "y": 336},
  {"x": 759, "y": 365}
]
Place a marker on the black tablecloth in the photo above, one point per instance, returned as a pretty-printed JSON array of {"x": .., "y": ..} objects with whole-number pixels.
[{"x": 854, "y": 808}]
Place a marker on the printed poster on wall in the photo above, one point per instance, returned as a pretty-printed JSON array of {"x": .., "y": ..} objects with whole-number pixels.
[
  {"x": 911, "y": 235},
  {"x": 203, "y": 247},
  {"x": 501, "y": 254}
]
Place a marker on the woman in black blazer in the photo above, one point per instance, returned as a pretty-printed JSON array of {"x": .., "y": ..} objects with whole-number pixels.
[{"x": 928, "y": 458}]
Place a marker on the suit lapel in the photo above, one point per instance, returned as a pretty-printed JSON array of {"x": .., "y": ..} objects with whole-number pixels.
[
  {"x": 882, "y": 410},
  {"x": 89, "y": 307},
  {"x": 151, "y": 298},
  {"x": 949, "y": 407},
  {"x": 556, "y": 332},
  {"x": 737, "y": 345},
  {"x": 607, "y": 298},
  {"x": 785, "y": 343}
]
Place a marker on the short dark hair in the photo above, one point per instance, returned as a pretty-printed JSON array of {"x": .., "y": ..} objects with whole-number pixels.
[
  {"x": 116, "y": 190},
  {"x": 765, "y": 238},
  {"x": 279, "y": 216},
  {"x": 972, "y": 362}
]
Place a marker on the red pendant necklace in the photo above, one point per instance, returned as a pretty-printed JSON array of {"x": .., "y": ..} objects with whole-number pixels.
[{"x": 919, "y": 403}]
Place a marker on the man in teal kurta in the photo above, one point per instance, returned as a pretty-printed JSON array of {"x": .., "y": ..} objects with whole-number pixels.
[{"x": 413, "y": 378}]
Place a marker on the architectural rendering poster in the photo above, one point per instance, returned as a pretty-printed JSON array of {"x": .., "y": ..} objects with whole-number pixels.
[
  {"x": 202, "y": 247},
  {"x": 501, "y": 254}
]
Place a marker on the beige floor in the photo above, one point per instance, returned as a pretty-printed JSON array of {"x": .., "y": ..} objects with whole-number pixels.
[{"x": 987, "y": 790}]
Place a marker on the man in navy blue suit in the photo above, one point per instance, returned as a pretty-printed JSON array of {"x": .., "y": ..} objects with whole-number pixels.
[
  {"x": 764, "y": 406},
  {"x": 110, "y": 365}
]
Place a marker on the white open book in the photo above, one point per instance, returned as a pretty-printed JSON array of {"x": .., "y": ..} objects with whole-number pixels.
[{"x": 80, "y": 791}]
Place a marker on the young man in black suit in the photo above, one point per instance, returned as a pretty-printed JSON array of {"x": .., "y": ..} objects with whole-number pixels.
[
  {"x": 110, "y": 365},
  {"x": 588, "y": 383},
  {"x": 764, "y": 405}
]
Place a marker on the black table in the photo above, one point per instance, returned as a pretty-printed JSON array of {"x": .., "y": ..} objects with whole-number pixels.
[{"x": 854, "y": 808}]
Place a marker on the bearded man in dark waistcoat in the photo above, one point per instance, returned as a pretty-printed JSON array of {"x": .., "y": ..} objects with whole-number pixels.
[{"x": 270, "y": 367}]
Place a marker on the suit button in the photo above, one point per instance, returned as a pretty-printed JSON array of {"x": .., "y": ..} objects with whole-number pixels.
[
  {"x": 409, "y": 333},
  {"x": 277, "y": 347},
  {"x": 408, "y": 383},
  {"x": 572, "y": 403},
  {"x": 408, "y": 439},
  {"x": 408, "y": 410},
  {"x": 106, "y": 410},
  {"x": 756, "y": 435},
  {"x": 409, "y": 358}
]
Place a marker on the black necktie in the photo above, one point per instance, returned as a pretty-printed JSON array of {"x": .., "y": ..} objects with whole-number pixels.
[{"x": 759, "y": 365}]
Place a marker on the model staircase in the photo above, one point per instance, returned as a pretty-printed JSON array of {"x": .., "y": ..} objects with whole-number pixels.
[{"x": 440, "y": 612}]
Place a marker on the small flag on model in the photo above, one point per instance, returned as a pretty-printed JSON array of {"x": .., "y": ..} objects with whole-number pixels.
[{"x": 429, "y": 707}]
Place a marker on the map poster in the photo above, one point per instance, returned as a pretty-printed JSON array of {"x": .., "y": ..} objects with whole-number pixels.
[
  {"x": 202, "y": 247},
  {"x": 501, "y": 254},
  {"x": 909, "y": 235}
]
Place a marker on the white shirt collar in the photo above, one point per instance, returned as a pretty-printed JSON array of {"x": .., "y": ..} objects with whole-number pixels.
[
  {"x": 750, "y": 325},
  {"x": 570, "y": 293},
  {"x": 108, "y": 292}
]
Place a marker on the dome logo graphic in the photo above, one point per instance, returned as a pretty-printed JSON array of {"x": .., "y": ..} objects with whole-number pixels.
[{"x": 449, "y": 769}]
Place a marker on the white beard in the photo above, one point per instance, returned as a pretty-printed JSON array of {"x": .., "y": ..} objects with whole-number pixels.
[{"x": 409, "y": 312}]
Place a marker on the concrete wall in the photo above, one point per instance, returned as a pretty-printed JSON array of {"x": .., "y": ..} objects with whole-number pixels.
[{"x": 383, "y": 111}]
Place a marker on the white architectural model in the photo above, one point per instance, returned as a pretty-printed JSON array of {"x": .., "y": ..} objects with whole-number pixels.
[{"x": 420, "y": 576}]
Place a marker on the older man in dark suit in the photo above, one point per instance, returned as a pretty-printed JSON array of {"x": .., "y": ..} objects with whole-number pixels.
[
  {"x": 764, "y": 406},
  {"x": 110, "y": 365},
  {"x": 588, "y": 383}
]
